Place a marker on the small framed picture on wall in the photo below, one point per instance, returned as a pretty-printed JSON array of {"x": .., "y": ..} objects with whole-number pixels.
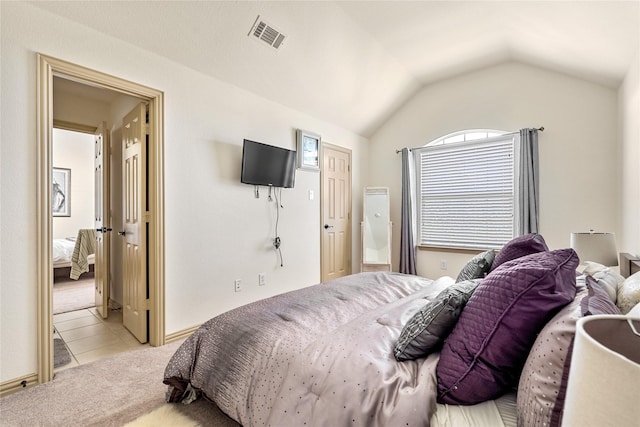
[
  {"x": 61, "y": 192},
  {"x": 308, "y": 150}
]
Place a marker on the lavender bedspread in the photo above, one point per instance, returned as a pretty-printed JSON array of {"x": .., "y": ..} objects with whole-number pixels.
[{"x": 321, "y": 355}]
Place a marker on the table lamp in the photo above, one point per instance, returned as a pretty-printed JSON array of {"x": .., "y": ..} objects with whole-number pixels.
[
  {"x": 595, "y": 247},
  {"x": 605, "y": 373}
]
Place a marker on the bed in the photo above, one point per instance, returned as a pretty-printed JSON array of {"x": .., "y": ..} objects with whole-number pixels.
[
  {"x": 387, "y": 349},
  {"x": 62, "y": 254}
]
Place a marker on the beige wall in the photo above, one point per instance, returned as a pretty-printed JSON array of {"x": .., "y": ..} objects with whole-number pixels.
[
  {"x": 579, "y": 149},
  {"x": 629, "y": 96},
  {"x": 216, "y": 231}
]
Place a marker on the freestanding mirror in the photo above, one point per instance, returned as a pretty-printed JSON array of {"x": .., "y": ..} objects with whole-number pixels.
[{"x": 376, "y": 230}]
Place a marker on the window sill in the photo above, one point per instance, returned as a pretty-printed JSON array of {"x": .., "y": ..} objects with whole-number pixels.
[{"x": 450, "y": 250}]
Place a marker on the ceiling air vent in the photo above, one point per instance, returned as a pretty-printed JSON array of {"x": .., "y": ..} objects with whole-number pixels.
[{"x": 265, "y": 32}]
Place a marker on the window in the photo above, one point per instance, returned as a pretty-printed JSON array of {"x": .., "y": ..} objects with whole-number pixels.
[{"x": 465, "y": 190}]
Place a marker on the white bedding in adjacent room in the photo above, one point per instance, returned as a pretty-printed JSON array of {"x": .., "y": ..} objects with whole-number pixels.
[{"x": 63, "y": 250}]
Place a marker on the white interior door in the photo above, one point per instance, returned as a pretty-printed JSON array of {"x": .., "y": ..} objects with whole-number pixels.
[
  {"x": 135, "y": 271},
  {"x": 336, "y": 212},
  {"x": 102, "y": 219}
]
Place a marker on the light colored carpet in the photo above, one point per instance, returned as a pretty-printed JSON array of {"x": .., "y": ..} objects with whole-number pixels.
[
  {"x": 108, "y": 392},
  {"x": 73, "y": 295}
]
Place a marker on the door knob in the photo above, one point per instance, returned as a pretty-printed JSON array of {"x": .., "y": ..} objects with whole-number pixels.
[
  {"x": 121, "y": 233},
  {"x": 326, "y": 226},
  {"x": 104, "y": 229}
]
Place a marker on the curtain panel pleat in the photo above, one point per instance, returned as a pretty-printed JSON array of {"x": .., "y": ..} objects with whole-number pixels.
[
  {"x": 528, "y": 183},
  {"x": 407, "y": 245}
]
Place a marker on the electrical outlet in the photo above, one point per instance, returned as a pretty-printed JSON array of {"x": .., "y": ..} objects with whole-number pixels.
[
  {"x": 443, "y": 264},
  {"x": 238, "y": 285},
  {"x": 262, "y": 279}
]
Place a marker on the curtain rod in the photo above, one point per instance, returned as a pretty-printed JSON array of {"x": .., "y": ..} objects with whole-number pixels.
[{"x": 541, "y": 129}]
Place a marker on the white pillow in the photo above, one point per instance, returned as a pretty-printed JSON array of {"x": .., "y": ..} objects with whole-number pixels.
[
  {"x": 629, "y": 293},
  {"x": 635, "y": 311},
  {"x": 593, "y": 268},
  {"x": 608, "y": 279}
]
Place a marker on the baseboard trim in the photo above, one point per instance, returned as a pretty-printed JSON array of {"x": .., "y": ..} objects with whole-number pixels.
[
  {"x": 17, "y": 384},
  {"x": 185, "y": 333}
]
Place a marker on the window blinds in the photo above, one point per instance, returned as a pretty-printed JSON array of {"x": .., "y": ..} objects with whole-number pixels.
[{"x": 466, "y": 193}]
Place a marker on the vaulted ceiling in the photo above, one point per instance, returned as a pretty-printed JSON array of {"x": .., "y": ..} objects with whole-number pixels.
[{"x": 354, "y": 63}]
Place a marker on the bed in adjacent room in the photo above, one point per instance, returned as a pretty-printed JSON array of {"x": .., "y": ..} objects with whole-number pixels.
[
  {"x": 63, "y": 257},
  {"x": 488, "y": 348}
]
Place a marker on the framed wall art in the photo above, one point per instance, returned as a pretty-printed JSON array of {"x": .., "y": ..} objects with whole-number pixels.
[
  {"x": 61, "y": 192},
  {"x": 308, "y": 150}
]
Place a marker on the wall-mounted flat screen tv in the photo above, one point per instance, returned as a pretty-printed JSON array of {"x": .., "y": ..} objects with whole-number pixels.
[{"x": 264, "y": 164}]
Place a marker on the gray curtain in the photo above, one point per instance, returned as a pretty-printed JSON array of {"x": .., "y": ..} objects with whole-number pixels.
[
  {"x": 407, "y": 246},
  {"x": 528, "y": 183}
]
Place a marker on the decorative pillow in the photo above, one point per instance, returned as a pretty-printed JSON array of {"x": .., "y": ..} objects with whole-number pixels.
[
  {"x": 598, "y": 300},
  {"x": 518, "y": 247},
  {"x": 593, "y": 268},
  {"x": 484, "y": 353},
  {"x": 477, "y": 267},
  {"x": 425, "y": 332},
  {"x": 543, "y": 382},
  {"x": 635, "y": 311},
  {"x": 608, "y": 279},
  {"x": 629, "y": 293}
]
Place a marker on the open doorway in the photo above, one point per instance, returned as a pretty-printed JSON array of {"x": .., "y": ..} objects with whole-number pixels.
[
  {"x": 110, "y": 95},
  {"x": 83, "y": 332}
]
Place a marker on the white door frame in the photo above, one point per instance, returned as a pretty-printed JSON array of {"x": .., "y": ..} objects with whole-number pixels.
[{"x": 49, "y": 67}]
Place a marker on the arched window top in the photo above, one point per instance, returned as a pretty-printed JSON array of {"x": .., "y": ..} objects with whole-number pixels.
[
  {"x": 466, "y": 135},
  {"x": 465, "y": 190}
]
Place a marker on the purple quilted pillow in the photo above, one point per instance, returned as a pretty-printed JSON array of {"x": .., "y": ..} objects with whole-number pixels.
[
  {"x": 518, "y": 247},
  {"x": 483, "y": 355}
]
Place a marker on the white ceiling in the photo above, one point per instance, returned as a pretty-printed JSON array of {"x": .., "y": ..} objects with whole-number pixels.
[{"x": 354, "y": 63}]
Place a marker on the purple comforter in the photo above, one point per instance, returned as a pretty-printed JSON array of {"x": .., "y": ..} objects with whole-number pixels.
[{"x": 321, "y": 355}]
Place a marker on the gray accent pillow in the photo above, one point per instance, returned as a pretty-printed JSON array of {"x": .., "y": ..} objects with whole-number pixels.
[
  {"x": 478, "y": 266},
  {"x": 425, "y": 332}
]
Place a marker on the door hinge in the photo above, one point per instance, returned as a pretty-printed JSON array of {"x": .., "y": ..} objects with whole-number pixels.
[
  {"x": 146, "y": 128},
  {"x": 147, "y": 304},
  {"x": 147, "y": 216}
]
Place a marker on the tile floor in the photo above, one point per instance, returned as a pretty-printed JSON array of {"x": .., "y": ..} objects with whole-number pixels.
[{"x": 89, "y": 337}]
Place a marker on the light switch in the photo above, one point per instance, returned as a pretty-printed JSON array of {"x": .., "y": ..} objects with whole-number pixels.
[{"x": 311, "y": 195}]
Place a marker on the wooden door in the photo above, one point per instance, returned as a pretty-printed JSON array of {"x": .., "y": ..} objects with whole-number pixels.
[
  {"x": 134, "y": 182},
  {"x": 336, "y": 212},
  {"x": 102, "y": 219}
]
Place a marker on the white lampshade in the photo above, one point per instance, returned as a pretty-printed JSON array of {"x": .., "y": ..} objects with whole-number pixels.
[
  {"x": 595, "y": 247},
  {"x": 604, "y": 378}
]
